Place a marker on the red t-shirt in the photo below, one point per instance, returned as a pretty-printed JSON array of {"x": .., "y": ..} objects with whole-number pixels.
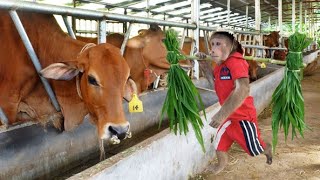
[{"x": 225, "y": 74}]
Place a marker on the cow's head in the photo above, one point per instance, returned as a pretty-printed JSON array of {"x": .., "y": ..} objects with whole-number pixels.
[
  {"x": 280, "y": 54},
  {"x": 153, "y": 49},
  {"x": 253, "y": 70},
  {"x": 272, "y": 40},
  {"x": 154, "y": 52},
  {"x": 102, "y": 75}
]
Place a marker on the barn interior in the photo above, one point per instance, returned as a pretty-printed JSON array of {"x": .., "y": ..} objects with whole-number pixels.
[{"x": 251, "y": 19}]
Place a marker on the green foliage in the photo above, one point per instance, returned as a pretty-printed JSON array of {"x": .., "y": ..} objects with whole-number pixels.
[
  {"x": 286, "y": 28},
  {"x": 183, "y": 101},
  {"x": 287, "y": 100}
]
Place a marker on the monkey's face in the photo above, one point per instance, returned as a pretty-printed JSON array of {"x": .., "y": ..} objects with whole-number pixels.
[{"x": 220, "y": 49}]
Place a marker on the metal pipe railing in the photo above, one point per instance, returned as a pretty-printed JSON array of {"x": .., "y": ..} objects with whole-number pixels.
[
  {"x": 125, "y": 40},
  {"x": 102, "y": 31},
  {"x": 262, "y": 47},
  {"x": 68, "y": 26},
  {"x": 24, "y": 37}
]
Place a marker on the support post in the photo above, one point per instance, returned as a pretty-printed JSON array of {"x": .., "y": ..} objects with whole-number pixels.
[
  {"x": 280, "y": 16},
  {"x": 228, "y": 9},
  {"x": 195, "y": 19},
  {"x": 247, "y": 13},
  {"x": 257, "y": 15},
  {"x": 293, "y": 15},
  {"x": 300, "y": 15},
  {"x": 102, "y": 31}
]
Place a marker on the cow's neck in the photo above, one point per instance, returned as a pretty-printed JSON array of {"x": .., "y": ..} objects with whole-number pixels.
[
  {"x": 135, "y": 61},
  {"x": 60, "y": 48},
  {"x": 49, "y": 41}
]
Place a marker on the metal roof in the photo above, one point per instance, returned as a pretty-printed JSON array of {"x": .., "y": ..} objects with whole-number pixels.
[{"x": 212, "y": 12}]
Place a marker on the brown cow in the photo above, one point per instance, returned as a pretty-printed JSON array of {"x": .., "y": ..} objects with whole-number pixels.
[
  {"x": 271, "y": 40},
  {"x": 280, "y": 54},
  {"x": 102, "y": 72},
  {"x": 145, "y": 53}
]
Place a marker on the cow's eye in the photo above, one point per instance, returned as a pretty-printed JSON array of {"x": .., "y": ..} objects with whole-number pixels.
[{"x": 92, "y": 80}]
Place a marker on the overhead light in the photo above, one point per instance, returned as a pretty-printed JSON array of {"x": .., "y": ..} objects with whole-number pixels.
[
  {"x": 172, "y": 6},
  {"x": 205, "y": 5},
  {"x": 180, "y": 11},
  {"x": 206, "y": 11},
  {"x": 143, "y": 4},
  {"x": 214, "y": 14}
]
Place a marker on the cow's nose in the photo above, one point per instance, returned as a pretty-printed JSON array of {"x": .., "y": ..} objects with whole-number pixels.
[{"x": 119, "y": 131}]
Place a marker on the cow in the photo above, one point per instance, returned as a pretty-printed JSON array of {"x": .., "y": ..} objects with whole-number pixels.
[
  {"x": 85, "y": 80},
  {"x": 280, "y": 54},
  {"x": 271, "y": 40},
  {"x": 145, "y": 54}
]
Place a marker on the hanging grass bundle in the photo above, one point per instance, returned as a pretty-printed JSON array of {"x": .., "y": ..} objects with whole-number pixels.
[
  {"x": 183, "y": 102},
  {"x": 287, "y": 100}
]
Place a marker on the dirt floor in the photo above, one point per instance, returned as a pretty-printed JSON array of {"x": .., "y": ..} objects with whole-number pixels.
[{"x": 297, "y": 159}]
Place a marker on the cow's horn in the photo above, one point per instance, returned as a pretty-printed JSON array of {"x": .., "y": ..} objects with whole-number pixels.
[
  {"x": 154, "y": 27},
  {"x": 133, "y": 85}
]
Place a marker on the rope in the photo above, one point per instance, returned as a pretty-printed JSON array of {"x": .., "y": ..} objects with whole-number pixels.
[
  {"x": 294, "y": 70},
  {"x": 78, "y": 86},
  {"x": 295, "y": 52},
  {"x": 85, "y": 47}
]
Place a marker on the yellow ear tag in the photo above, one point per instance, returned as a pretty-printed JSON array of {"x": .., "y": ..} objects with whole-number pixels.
[
  {"x": 263, "y": 65},
  {"x": 135, "y": 105}
]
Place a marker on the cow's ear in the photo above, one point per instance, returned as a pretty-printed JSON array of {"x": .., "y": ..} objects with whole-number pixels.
[
  {"x": 130, "y": 89},
  {"x": 61, "y": 71},
  {"x": 135, "y": 42}
]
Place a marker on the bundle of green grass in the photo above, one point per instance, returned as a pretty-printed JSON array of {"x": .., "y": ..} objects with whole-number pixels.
[
  {"x": 287, "y": 100},
  {"x": 183, "y": 102}
]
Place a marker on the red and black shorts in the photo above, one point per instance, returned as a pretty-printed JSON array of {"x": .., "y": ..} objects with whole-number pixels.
[{"x": 245, "y": 133}]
